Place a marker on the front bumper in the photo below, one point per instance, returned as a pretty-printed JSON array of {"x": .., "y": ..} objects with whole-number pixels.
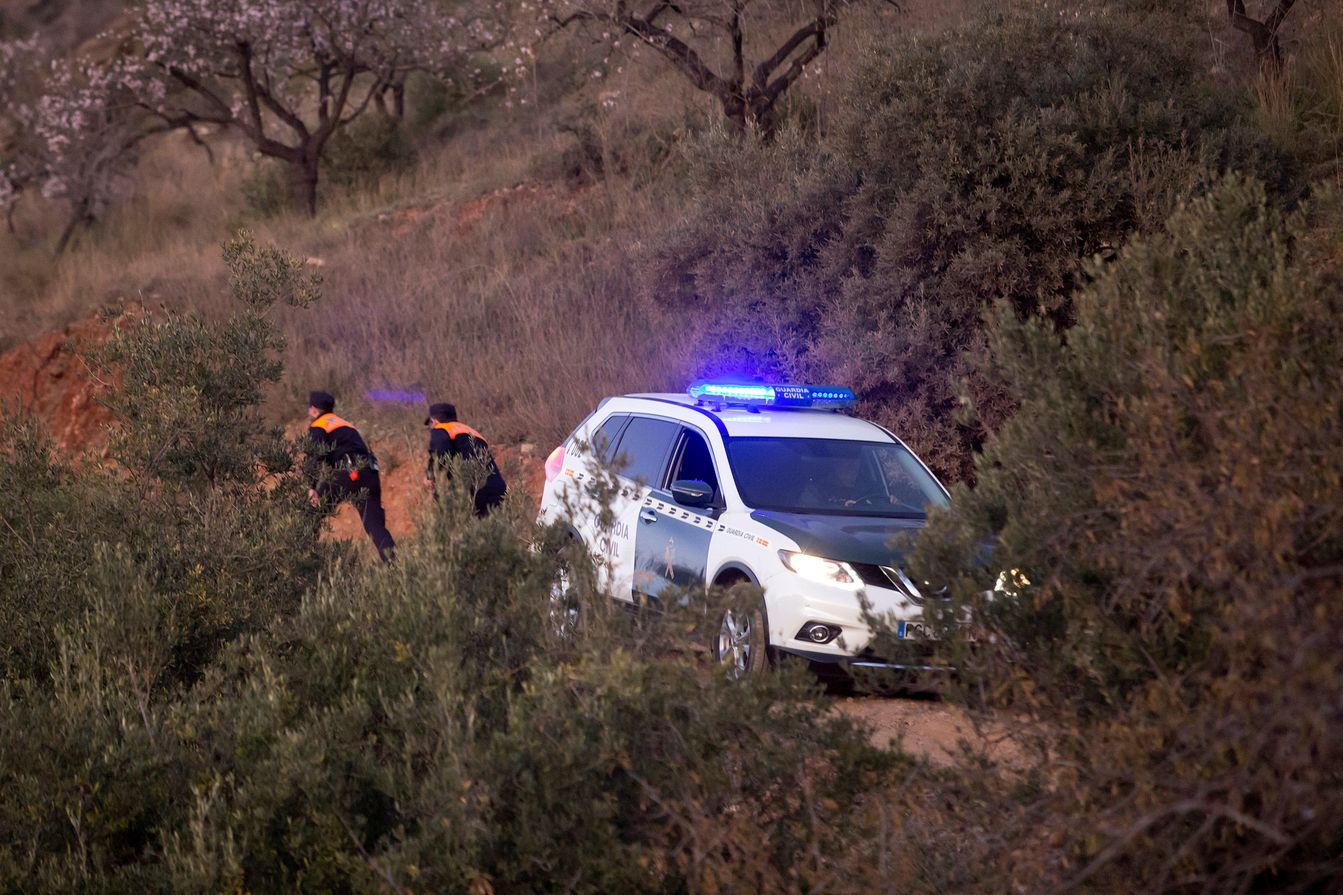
[
  {"x": 792, "y": 602},
  {"x": 865, "y": 662}
]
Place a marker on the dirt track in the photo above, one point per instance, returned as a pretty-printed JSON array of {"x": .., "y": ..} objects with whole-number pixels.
[{"x": 927, "y": 727}]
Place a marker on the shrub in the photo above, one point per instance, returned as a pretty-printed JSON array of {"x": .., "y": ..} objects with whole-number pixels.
[
  {"x": 1168, "y": 489},
  {"x": 979, "y": 167},
  {"x": 424, "y": 727},
  {"x": 228, "y": 542},
  {"x": 607, "y": 148},
  {"x": 48, "y": 522},
  {"x": 371, "y": 147},
  {"x": 266, "y": 190}
]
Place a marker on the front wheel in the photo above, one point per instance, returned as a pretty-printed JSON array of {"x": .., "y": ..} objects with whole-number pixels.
[
  {"x": 741, "y": 645},
  {"x": 573, "y": 572}
]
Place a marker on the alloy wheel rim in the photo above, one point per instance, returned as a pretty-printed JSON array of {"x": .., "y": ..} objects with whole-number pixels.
[
  {"x": 563, "y": 609},
  {"x": 734, "y": 644}
]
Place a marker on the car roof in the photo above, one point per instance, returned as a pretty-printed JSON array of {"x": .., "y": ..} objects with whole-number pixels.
[{"x": 765, "y": 422}]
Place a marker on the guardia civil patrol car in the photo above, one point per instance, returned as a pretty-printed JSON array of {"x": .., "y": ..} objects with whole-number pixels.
[{"x": 769, "y": 484}]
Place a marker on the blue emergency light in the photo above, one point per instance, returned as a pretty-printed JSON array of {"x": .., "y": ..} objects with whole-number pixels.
[{"x": 735, "y": 394}]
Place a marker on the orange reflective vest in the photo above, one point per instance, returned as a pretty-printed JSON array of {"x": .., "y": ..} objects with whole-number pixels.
[
  {"x": 454, "y": 429},
  {"x": 329, "y": 422}
]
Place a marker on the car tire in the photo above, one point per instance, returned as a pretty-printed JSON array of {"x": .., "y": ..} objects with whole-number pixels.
[
  {"x": 565, "y": 610},
  {"x": 741, "y": 643},
  {"x": 834, "y": 678}
]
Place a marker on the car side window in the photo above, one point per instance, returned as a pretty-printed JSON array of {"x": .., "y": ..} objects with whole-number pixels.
[
  {"x": 643, "y": 450},
  {"x": 605, "y": 439},
  {"x": 696, "y": 462}
]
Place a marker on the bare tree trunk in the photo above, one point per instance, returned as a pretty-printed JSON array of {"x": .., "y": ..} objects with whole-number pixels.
[
  {"x": 762, "y": 116},
  {"x": 742, "y": 105},
  {"x": 1263, "y": 35},
  {"x": 303, "y": 173},
  {"x": 753, "y": 111},
  {"x": 396, "y": 87},
  {"x": 734, "y": 108},
  {"x": 81, "y": 213}
]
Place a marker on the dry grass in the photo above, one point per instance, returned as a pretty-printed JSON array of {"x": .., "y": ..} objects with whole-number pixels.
[
  {"x": 1320, "y": 70},
  {"x": 1275, "y": 105},
  {"x": 1301, "y": 107},
  {"x": 487, "y": 273},
  {"x": 513, "y": 307},
  {"x": 464, "y": 277},
  {"x": 159, "y": 246}
]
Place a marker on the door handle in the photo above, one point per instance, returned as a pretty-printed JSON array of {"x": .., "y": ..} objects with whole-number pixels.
[{"x": 648, "y": 516}]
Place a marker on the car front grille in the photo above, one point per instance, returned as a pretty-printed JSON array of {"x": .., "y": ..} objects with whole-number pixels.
[
  {"x": 874, "y": 575},
  {"x": 891, "y": 578}
]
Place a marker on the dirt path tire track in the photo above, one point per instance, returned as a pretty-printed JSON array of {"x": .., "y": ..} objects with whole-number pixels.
[{"x": 928, "y": 727}]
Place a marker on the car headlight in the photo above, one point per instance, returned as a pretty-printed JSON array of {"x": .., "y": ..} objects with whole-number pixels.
[
  {"x": 820, "y": 569},
  {"x": 1011, "y": 583}
]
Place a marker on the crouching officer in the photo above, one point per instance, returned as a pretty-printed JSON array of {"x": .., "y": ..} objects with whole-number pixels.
[
  {"x": 450, "y": 440},
  {"x": 353, "y": 470}
]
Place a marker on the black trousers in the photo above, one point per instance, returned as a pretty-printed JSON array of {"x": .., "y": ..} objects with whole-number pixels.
[
  {"x": 487, "y": 499},
  {"x": 366, "y": 495}
]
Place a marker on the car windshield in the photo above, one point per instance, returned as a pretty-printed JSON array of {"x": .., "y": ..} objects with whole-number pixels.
[{"x": 832, "y": 476}]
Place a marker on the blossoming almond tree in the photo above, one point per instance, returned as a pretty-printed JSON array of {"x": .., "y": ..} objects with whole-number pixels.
[
  {"x": 14, "y": 167},
  {"x": 71, "y": 130},
  {"x": 685, "y": 34},
  {"x": 288, "y": 73}
]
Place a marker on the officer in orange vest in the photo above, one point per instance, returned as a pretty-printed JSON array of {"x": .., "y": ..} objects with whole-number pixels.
[
  {"x": 450, "y": 440},
  {"x": 352, "y": 470}
]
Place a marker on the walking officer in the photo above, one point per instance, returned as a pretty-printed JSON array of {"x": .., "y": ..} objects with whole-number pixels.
[
  {"x": 351, "y": 470},
  {"x": 451, "y": 440}
]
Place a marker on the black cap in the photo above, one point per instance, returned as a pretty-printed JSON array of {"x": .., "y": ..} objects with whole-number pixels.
[
  {"x": 323, "y": 401},
  {"x": 443, "y": 412}
]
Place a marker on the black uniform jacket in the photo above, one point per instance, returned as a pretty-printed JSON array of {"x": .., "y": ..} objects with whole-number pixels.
[
  {"x": 338, "y": 445},
  {"x": 458, "y": 441}
]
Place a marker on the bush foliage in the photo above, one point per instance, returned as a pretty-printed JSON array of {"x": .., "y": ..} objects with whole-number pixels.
[
  {"x": 174, "y": 719},
  {"x": 201, "y": 510},
  {"x": 421, "y": 728},
  {"x": 1018, "y": 236},
  {"x": 1169, "y": 490},
  {"x": 980, "y": 167}
]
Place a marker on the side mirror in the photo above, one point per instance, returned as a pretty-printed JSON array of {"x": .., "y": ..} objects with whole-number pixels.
[{"x": 692, "y": 493}]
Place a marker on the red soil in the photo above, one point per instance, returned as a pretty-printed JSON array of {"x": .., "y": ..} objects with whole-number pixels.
[
  {"x": 404, "y": 496},
  {"x": 50, "y": 376}
]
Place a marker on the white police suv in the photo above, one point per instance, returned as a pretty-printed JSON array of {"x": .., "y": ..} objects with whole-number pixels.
[{"x": 769, "y": 484}]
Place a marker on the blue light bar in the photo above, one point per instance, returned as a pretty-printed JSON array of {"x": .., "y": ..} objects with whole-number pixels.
[
  {"x": 818, "y": 397},
  {"x": 755, "y": 393}
]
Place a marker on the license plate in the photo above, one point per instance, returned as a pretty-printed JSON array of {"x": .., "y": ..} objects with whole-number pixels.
[{"x": 911, "y": 631}]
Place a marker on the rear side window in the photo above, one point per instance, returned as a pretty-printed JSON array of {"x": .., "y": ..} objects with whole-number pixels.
[
  {"x": 643, "y": 449},
  {"x": 607, "y": 436}
]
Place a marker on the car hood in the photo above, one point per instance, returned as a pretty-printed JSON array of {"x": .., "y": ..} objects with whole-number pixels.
[{"x": 866, "y": 539}]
